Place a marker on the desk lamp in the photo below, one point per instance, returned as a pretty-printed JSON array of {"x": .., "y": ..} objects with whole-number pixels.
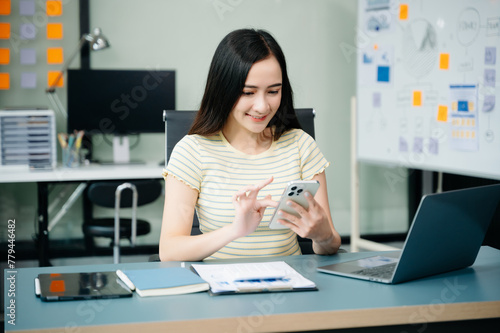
[{"x": 96, "y": 42}]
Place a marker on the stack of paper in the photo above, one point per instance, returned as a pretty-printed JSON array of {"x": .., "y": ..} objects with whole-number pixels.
[{"x": 252, "y": 277}]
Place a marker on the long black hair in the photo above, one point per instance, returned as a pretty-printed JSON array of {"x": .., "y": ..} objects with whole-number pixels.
[{"x": 232, "y": 61}]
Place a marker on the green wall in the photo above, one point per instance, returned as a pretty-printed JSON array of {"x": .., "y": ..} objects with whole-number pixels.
[{"x": 182, "y": 35}]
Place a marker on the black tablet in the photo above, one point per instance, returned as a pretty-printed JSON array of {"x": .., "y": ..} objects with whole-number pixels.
[{"x": 80, "y": 286}]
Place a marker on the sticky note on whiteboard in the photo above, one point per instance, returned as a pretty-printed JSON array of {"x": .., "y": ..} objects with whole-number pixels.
[
  {"x": 442, "y": 113},
  {"x": 417, "y": 98},
  {"x": 444, "y": 61},
  {"x": 403, "y": 11}
]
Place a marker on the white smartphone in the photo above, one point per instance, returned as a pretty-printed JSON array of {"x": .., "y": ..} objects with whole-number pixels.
[{"x": 294, "y": 191}]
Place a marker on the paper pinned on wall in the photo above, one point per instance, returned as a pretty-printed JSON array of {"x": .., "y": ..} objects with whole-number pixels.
[
  {"x": 27, "y": 31},
  {"x": 28, "y": 80},
  {"x": 4, "y": 30},
  {"x": 464, "y": 117},
  {"x": 490, "y": 56},
  {"x": 4, "y": 7},
  {"x": 433, "y": 146},
  {"x": 403, "y": 145},
  {"x": 4, "y": 81},
  {"x": 52, "y": 76},
  {"x": 377, "y": 65},
  {"x": 418, "y": 145},
  {"x": 55, "y": 55},
  {"x": 27, "y": 56},
  {"x": 4, "y": 56},
  {"x": 489, "y": 77},
  {"x": 377, "y": 16},
  {"x": 377, "y": 99},
  {"x": 53, "y": 8},
  {"x": 489, "y": 103},
  {"x": 54, "y": 30},
  {"x": 27, "y": 7}
]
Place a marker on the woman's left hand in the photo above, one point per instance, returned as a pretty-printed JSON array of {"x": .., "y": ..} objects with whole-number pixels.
[{"x": 313, "y": 222}]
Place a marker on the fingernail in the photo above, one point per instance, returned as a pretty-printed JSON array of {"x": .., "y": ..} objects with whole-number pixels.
[
  {"x": 280, "y": 213},
  {"x": 289, "y": 203},
  {"x": 307, "y": 194}
]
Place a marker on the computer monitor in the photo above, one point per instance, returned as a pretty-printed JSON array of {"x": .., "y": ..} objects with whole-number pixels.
[{"x": 119, "y": 102}]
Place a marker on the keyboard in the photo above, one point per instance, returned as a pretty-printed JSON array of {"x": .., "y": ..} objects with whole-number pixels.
[{"x": 383, "y": 272}]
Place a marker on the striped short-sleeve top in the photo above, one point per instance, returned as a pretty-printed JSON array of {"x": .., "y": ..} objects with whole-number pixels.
[{"x": 217, "y": 170}]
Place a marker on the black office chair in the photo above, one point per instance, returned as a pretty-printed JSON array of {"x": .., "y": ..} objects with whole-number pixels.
[{"x": 105, "y": 194}]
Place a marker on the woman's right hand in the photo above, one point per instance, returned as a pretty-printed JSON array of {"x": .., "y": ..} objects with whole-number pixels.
[{"x": 249, "y": 209}]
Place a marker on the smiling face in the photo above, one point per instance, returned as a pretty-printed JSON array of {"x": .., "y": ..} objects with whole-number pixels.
[{"x": 259, "y": 100}]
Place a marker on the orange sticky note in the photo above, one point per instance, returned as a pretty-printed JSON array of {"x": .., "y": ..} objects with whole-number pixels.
[
  {"x": 4, "y": 7},
  {"x": 442, "y": 113},
  {"x": 471, "y": 106},
  {"x": 4, "y": 56},
  {"x": 54, "y": 30},
  {"x": 444, "y": 61},
  {"x": 4, "y": 81},
  {"x": 417, "y": 98},
  {"x": 4, "y": 30},
  {"x": 51, "y": 78},
  {"x": 53, "y": 8},
  {"x": 55, "y": 55},
  {"x": 403, "y": 11},
  {"x": 57, "y": 286}
]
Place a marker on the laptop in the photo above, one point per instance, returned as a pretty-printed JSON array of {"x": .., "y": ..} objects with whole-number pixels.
[{"x": 446, "y": 234}]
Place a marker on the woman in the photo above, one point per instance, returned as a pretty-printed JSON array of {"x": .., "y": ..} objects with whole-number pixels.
[{"x": 244, "y": 145}]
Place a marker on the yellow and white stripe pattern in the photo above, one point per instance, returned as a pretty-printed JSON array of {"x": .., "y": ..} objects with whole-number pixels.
[{"x": 217, "y": 170}]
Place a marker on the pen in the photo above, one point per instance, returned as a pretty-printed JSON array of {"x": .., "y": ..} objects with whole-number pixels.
[
  {"x": 79, "y": 137},
  {"x": 71, "y": 140},
  {"x": 62, "y": 140}
]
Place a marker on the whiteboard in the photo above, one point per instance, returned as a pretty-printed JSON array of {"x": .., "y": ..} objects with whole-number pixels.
[{"x": 428, "y": 85}]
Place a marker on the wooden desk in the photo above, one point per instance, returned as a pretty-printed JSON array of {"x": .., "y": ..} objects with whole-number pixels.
[
  {"x": 81, "y": 174},
  {"x": 471, "y": 293}
]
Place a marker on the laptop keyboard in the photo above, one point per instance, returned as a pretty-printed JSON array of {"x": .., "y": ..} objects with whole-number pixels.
[{"x": 383, "y": 272}]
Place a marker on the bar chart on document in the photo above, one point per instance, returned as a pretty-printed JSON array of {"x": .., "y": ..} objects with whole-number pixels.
[{"x": 428, "y": 84}]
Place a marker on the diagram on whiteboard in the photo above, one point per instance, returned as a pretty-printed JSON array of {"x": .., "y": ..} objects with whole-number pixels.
[
  {"x": 428, "y": 85},
  {"x": 419, "y": 48}
]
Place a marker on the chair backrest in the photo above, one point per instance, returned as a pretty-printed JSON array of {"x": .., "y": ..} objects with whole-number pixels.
[
  {"x": 177, "y": 124},
  {"x": 103, "y": 193}
]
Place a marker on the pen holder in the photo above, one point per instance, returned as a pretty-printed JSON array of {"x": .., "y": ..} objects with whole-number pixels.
[{"x": 71, "y": 157}]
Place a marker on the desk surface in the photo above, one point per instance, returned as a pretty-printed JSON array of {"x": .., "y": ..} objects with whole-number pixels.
[
  {"x": 471, "y": 293},
  {"x": 83, "y": 173}
]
